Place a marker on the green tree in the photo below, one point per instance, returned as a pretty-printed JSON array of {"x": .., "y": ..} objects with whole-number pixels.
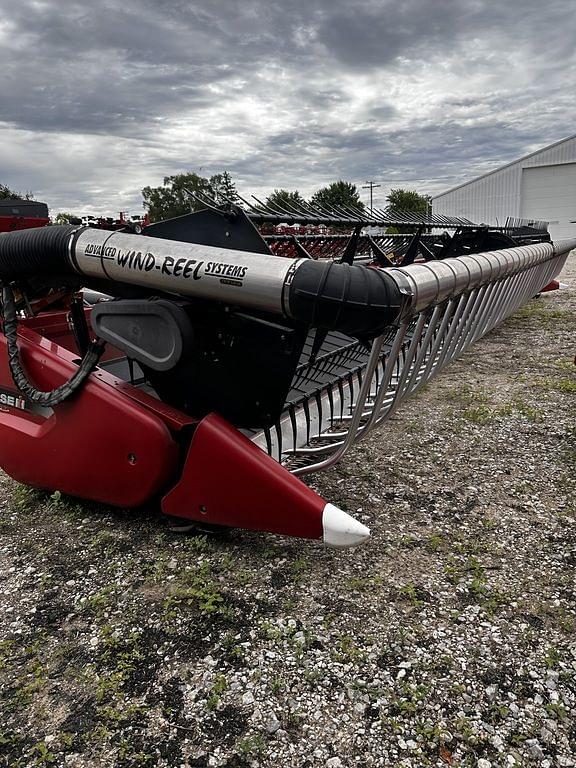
[
  {"x": 64, "y": 218},
  {"x": 338, "y": 193},
  {"x": 172, "y": 198},
  {"x": 408, "y": 200},
  {"x": 284, "y": 198},
  {"x": 222, "y": 187},
  {"x": 8, "y": 194}
]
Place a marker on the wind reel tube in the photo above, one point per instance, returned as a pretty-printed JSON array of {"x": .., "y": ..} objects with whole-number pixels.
[{"x": 350, "y": 299}]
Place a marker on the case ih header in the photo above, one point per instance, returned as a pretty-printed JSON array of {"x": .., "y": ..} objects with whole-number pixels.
[{"x": 211, "y": 366}]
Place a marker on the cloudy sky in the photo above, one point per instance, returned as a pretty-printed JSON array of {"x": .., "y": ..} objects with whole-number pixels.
[{"x": 99, "y": 99}]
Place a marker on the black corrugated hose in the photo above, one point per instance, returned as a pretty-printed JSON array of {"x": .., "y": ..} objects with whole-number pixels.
[{"x": 59, "y": 394}]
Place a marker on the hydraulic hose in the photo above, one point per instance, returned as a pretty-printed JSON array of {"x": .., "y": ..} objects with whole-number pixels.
[{"x": 59, "y": 394}]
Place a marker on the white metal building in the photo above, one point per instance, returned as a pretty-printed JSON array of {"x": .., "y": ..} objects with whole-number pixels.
[{"x": 540, "y": 186}]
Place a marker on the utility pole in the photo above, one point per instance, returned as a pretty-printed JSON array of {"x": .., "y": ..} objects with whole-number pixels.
[{"x": 371, "y": 186}]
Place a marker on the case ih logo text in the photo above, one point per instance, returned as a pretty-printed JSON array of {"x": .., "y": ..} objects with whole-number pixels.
[{"x": 12, "y": 401}]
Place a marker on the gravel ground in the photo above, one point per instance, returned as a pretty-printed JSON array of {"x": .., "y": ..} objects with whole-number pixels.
[{"x": 448, "y": 639}]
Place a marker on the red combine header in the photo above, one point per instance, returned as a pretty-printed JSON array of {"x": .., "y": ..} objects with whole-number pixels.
[
  {"x": 22, "y": 214},
  {"x": 192, "y": 365}
]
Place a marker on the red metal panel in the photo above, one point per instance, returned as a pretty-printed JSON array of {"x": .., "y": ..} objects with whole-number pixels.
[
  {"x": 174, "y": 419},
  {"x": 227, "y": 480},
  {"x": 55, "y": 326},
  {"x": 12, "y": 223},
  {"x": 99, "y": 445}
]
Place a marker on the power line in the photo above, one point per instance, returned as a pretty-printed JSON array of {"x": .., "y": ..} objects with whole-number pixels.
[{"x": 371, "y": 186}]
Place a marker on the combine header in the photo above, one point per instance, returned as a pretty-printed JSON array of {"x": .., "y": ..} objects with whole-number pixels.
[
  {"x": 207, "y": 366},
  {"x": 22, "y": 214}
]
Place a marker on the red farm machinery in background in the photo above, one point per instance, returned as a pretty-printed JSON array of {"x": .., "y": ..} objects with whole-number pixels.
[{"x": 22, "y": 214}]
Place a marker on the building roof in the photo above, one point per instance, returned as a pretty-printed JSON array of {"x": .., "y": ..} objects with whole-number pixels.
[{"x": 502, "y": 167}]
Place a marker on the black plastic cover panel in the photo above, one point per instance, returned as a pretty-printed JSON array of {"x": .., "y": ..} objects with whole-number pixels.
[{"x": 154, "y": 332}]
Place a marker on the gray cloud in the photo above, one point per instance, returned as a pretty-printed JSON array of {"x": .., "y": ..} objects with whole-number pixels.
[{"x": 96, "y": 101}]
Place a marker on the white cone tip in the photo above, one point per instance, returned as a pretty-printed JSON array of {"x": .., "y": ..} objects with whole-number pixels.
[{"x": 341, "y": 529}]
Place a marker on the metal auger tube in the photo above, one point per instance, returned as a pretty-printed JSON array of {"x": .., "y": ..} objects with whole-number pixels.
[{"x": 347, "y": 298}]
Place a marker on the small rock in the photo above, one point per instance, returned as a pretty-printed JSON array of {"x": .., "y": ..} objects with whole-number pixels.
[
  {"x": 248, "y": 698},
  {"x": 272, "y": 723},
  {"x": 334, "y": 762},
  {"x": 535, "y": 749},
  {"x": 411, "y": 744},
  {"x": 483, "y": 763},
  {"x": 497, "y": 742}
]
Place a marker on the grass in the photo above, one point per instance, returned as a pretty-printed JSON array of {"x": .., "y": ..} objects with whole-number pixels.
[
  {"x": 566, "y": 385},
  {"x": 539, "y": 309},
  {"x": 468, "y": 395},
  {"x": 565, "y": 364},
  {"x": 413, "y": 594},
  {"x": 436, "y": 542},
  {"x": 42, "y": 755},
  {"x": 471, "y": 573},
  {"x": 480, "y": 414},
  {"x": 480, "y": 408},
  {"x": 252, "y": 747},
  {"x": 102, "y": 600},
  {"x": 31, "y": 674},
  {"x": 26, "y": 499},
  {"x": 219, "y": 687},
  {"x": 557, "y": 711},
  {"x": 346, "y": 649},
  {"x": 365, "y": 584},
  {"x": 197, "y": 590}
]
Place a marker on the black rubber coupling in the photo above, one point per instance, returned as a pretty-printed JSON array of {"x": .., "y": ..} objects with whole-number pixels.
[
  {"x": 29, "y": 252},
  {"x": 353, "y": 299}
]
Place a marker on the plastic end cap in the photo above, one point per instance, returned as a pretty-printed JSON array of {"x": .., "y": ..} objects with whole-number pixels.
[{"x": 341, "y": 529}]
